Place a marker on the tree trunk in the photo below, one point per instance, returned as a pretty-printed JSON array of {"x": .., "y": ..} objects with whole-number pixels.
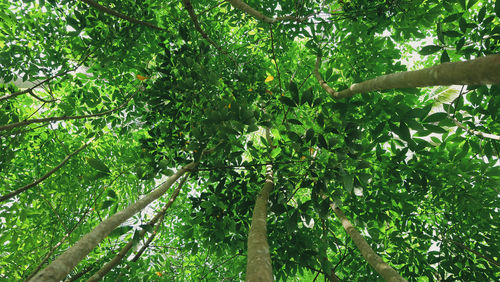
[
  {"x": 483, "y": 70},
  {"x": 117, "y": 259},
  {"x": 63, "y": 265},
  {"x": 259, "y": 266},
  {"x": 385, "y": 270}
]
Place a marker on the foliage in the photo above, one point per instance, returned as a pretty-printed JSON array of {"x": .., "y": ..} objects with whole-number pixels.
[{"x": 412, "y": 182}]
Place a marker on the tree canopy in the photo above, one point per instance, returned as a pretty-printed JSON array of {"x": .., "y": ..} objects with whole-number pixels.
[{"x": 355, "y": 140}]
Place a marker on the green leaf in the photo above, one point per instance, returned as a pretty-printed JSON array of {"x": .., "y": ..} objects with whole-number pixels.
[
  {"x": 307, "y": 96},
  {"x": 98, "y": 164},
  {"x": 444, "y": 57},
  {"x": 429, "y": 49},
  {"x": 294, "y": 121},
  {"x": 435, "y": 128},
  {"x": 452, "y": 18},
  {"x": 294, "y": 91},
  {"x": 348, "y": 182},
  {"x": 497, "y": 8},
  {"x": 404, "y": 132},
  {"x": 452, "y": 33},
  {"x": 287, "y": 101},
  {"x": 275, "y": 152},
  {"x": 106, "y": 204},
  {"x": 147, "y": 227},
  {"x": 112, "y": 194},
  {"x": 436, "y": 117},
  {"x": 322, "y": 141},
  {"x": 120, "y": 231},
  {"x": 309, "y": 135}
]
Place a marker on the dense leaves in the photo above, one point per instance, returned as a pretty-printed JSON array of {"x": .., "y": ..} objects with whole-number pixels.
[{"x": 416, "y": 170}]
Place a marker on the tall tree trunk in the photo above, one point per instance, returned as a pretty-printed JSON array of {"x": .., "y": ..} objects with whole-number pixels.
[
  {"x": 123, "y": 252},
  {"x": 63, "y": 265},
  {"x": 385, "y": 270},
  {"x": 259, "y": 266},
  {"x": 483, "y": 70}
]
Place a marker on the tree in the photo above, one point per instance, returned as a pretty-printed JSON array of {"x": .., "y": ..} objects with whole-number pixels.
[{"x": 102, "y": 101}]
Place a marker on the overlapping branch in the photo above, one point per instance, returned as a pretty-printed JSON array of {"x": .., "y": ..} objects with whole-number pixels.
[
  {"x": 156, "y": 221},
  {"x": 483, "y": 70}
]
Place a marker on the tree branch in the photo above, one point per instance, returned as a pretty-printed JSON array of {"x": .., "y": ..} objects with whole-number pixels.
[
  {"x": 30, "y": 90},
  {"x": 36, "y": 182},
  {"x": 112, "y": 12},
  {"x": 492, "y": 261},
  {"x": 482, "y": 70},
  {"x": 238, "y": 4},
  {"x": 197, "y": 26},
  {"x": 52, "y": 119},
  {"x": 157, "y": 220},
  {"x": 475, "y": 132}
]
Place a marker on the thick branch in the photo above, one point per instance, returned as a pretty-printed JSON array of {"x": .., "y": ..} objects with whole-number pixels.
[
  {"x": 123, "y": 252},
  {"x": 52, "y": 119},
  {"x": 483, "y": 70},
  {"x": 384, "y": 269},
  {"x": 63, "y": 265},
  {"x": 238, "y": 4},
  {"x": 475, "y": 132},
  {"x": 120, "y": 15},
  {"x": 36, "y": 182}
]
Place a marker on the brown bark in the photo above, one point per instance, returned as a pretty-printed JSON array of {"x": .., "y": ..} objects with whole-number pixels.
[
  {"x": 483, "y": 70},
  {"x": 52, "y": 119},
  {"x": 120, "y": 15},
  {"x": 382, "y": 268},
  {"x": 47, "y": 175},
  {"x": 123, "y": 252},
  {"x": 238, "y": 4},
  {"x": 259, "y": 266},
  {"x": 63, "y": 265}
]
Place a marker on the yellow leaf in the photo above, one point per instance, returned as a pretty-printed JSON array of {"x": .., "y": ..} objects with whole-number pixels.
[
  {"x": 302, "y": 158},
  {"x": 141, "y": 78},
  {"x": 250, "y": 89},
  {"x": 269, "y": 78},
  {"x": 229, "y": 106}
]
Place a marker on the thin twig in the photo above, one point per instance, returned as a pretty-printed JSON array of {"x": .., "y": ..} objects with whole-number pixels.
[
  {"x": 36, "y": 182},
  {"x": 52, "y": 119}
]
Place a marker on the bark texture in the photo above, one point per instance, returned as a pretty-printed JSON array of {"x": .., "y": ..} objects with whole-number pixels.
[
  {"x": 259, "y": 266},
  {"x": 382, "y": 268},
  {"x": 158, "y": 218},
  {"x": 238, "y": 4},
  {"x": 483, "y": 70},
  {"x": 63, "y": 264}
]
